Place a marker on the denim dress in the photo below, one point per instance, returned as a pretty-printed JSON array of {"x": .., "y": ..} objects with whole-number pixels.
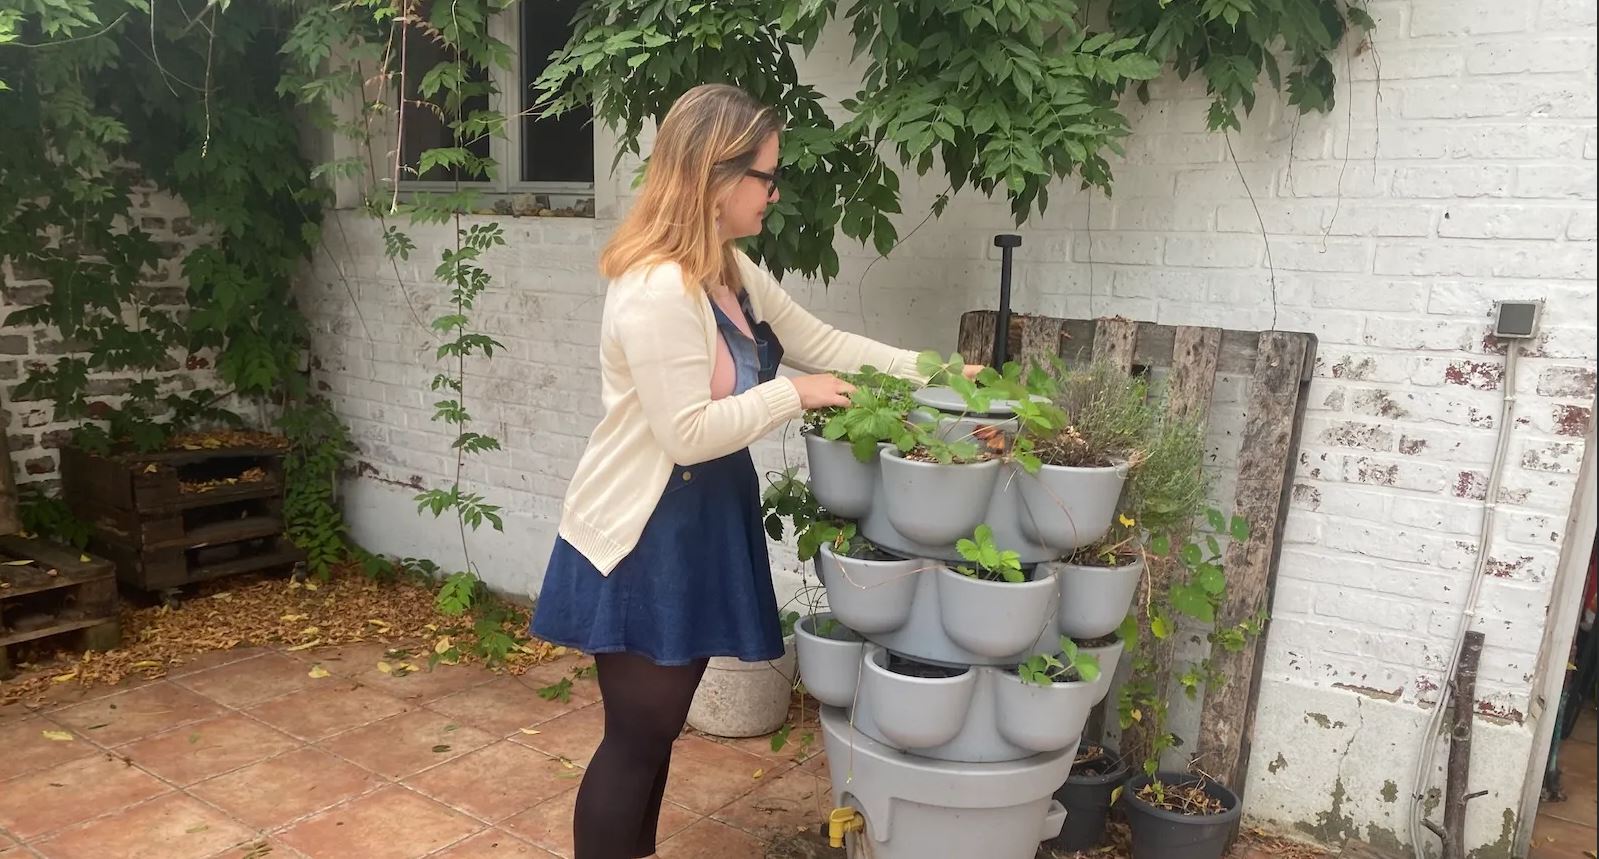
[{"x": 699, "y": 583}]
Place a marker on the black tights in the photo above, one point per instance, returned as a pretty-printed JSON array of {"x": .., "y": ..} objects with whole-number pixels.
[{"x": 619, "y": 801}]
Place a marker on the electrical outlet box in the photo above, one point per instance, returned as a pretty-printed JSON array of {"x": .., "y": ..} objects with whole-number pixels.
[{"x": 1517, "y": 320}]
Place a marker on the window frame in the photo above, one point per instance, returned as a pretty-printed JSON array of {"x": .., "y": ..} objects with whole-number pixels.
[{"x": 507, "y": 151}]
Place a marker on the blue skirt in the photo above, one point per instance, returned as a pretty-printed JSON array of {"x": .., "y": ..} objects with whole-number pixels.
[{"x": 698, "y": 584}]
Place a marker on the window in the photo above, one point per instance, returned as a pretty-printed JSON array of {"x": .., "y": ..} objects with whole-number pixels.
[{"x": 551, "y": 158}]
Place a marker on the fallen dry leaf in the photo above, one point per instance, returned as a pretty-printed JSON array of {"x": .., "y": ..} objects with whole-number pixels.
[
  {"x": 319, "y": 672},
  {"x": 758, "y": 773},
  {"x": 58, "y": 736}
]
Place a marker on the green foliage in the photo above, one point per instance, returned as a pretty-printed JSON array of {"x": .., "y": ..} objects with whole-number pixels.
[
  {"x": 1004, "y": 98},
  {"x": 788, "y": 497},
  {"x": 319, "y": 445},
  {"x": 49, "y": 517},
  {"x": 1071, "y": 665},
  {"x": 877, "y": 413},
  {"x": 990, "y": 562}
]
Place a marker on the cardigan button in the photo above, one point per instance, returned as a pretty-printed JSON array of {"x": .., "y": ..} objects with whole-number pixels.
[{"x": 687, "y": 475}]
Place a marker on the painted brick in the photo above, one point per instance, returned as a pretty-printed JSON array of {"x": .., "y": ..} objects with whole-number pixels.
[
  {"x": 1490, "y": 221},
  {"x": 1472, "y": 18},
  {"x": 1558, "y": 15},
  {"x": 1543, "y": 56},
  {"x": 1453, "y": 182},
  {"x": 1214, "y": 252}
]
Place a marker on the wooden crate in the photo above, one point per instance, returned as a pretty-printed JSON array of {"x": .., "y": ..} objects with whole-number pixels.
[
  {"x": 1273, "y": 369},
  {"x": 56, "y": 592},
  {"x": 170, "y": 518}
]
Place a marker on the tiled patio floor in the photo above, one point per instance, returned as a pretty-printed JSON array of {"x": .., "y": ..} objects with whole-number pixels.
[{"x": 246, "y": 754}]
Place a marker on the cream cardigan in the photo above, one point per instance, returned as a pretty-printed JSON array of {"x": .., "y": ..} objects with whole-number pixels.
[{"x": 657, "y": 349}]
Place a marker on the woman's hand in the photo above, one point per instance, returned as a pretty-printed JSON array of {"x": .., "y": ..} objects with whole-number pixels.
[
  {"x": 972, "y": 370},
  {"x": 822, "y": 390}
]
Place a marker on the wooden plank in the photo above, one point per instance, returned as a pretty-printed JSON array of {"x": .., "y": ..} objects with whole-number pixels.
[
  {"x": 1193, "y": 372},
  {"x": 283, "y": 555},
  {"x": 10, "y": 518},
  {"x": 976, "y": 342},
  {"x": 52, "y": 629},
  {"x": 1041, "y": 342},
  {"x": 1265, "y": 476},
  {"x": 1114, "y": 341}
]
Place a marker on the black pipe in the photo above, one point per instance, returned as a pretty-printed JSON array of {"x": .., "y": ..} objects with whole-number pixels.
[{"x": 1006, "y": 242}]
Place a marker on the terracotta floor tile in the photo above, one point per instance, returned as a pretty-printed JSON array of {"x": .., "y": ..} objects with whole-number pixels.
[
  {"x": 706, "y": 776},
  {"x": 792, "y": 801},
  {"x": 1553, "y": 838},
  {"x": 137, "y": 713},
  {"x": 355, "y": 658},
  {"x": 203, "y": 749},
  {"x": 50, "y": 799},
  {"x": 172, "y": 827},
  {"x": 407, "y": 743},
  {"x": 249, "y": 681},
  {"x": 393, "y": 823},
  {"x": 710, "y": 839},
  {"x": 549, "y": 824},
  {"x": 274, "y": 792},
  {"x": 63, "y": 695},
  {"x": 495, "y": 844},
  {"x": 573, "y": 736},
  {"x": 789, "y": 755},
  {"x": 501, "y": 706},
  {"x": 329, "y": 707},
  {"x": 260, "y": 847},
  {"x": 582, "y": 690},
  {"x": 213, "y": 658},
  {"x": 26, "y": 748},
  {"x": 424, "y": 684},
  {"x": 497, "y": 781}
]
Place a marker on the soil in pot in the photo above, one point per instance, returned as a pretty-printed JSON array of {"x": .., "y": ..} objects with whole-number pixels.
[
  {"x": 925, "y": 670},
  {"x": 1096, "y": 773},
  {"x": 1188, "y": 817}
]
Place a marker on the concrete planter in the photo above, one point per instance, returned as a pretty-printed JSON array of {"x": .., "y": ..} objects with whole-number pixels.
[
  {"x": 994, "y": 619},
  {"x": 830, "y": 661},
  {"x": 744, "y": 699},
  {"x": 1094, "y": 600},
  {"x": 1042, "y": 718},
  {"x": 867, "y": 596},
  {"x": 840, "y": 482},
  {"x": 917, "y": 712},
  {"x": 1069, "y": 508},
  {"x": 936, "y": 504}
]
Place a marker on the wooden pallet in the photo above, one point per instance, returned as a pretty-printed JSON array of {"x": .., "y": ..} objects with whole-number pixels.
[
  {"x": 147, "y": 516},
  {"x": 56, "y": 592},
  {"x": 1276, "y": 369}
]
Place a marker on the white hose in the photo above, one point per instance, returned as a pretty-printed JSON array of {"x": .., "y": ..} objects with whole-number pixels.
[{"x": 1429, "y": 737}]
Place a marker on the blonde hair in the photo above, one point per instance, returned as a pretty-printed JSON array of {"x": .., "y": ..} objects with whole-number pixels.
[{"x": 708, "y": 139}]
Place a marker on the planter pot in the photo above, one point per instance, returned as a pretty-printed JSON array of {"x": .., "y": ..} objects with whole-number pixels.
[
  {"x": 1042, "y": 718},
  {"x": 994, "y": 619},
  {"x": 840, "y": 482},
  {"x": 936, "y": 504},
  {"x": 744, "y": 699},
  {"x": 869, "y": 597},
  {"x": 1109, "y": 655},
  {"x": 1069, "y": 508},
  {"x": 1162, "y": 834},
  {"x": 916, "y": 807},
  {"x": 1086, "y": 798},
  {"x": 917, "y": 712},
  {"x": 1094, "y": 600},
  {"x": 829, "y": 664}
]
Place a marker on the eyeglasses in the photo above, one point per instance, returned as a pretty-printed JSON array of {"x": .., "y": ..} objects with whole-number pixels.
[{"x": 769, "y": 178}]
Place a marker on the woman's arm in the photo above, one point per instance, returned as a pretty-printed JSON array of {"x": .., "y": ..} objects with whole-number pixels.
[{"x": 814, "y": 346}]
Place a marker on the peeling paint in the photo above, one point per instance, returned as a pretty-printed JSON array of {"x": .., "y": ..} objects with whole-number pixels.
[
  {"x": 1480, "y": 375},
  {"x": 1379, "y": 694},
  {"x": 1332, "y": 826},
  {"x": 1472, "y": 485},
  {"x": 1390, "y": 791},
  {"x": 1505, "y": 847},
  {"x": 1280, "y": 763},
  {"x": 1572, "y": 420},
  {"x": 1320, "y": 719},
  {"x": 1502, "y": 714},
  {"x": 1412, "y": 446},
  {"x": 1385, "y": 840}
]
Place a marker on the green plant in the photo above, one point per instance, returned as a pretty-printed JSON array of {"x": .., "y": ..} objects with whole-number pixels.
[
  {"x": 990, "y": 562},
  {"x": 1005, "y": 99},
  {"x": 49, "y": 517},
  {"x": 1109, "y": 413},
  {"x": 1165, "y": 491},
  {"x": 1196, "y": 587},
  {"x": 877, "y": 412},
  {"x": 1071, "y": 664},
  {"x": 319, "y": 444}
]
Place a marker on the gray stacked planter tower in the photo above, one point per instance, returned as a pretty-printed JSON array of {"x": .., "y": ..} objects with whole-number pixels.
[{"x": 935, "y": 746}]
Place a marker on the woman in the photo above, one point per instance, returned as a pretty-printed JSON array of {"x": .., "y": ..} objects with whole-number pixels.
[{"x": 661, "y": 561}]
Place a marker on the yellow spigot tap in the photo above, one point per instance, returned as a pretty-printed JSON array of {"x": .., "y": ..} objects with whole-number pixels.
[{"x": 843, "y": 820}]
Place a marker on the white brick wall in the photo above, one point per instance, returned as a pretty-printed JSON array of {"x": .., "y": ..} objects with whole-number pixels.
[{"x": 1462, "y": 173}]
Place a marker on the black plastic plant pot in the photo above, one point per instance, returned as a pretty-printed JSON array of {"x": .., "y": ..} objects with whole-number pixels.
[
  {"x": 1086, "y": 796},
  {"x": 1159, "y": 833}
]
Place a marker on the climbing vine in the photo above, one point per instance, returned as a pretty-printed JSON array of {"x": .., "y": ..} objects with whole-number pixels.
[{"x": 1005, "y": 97}]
